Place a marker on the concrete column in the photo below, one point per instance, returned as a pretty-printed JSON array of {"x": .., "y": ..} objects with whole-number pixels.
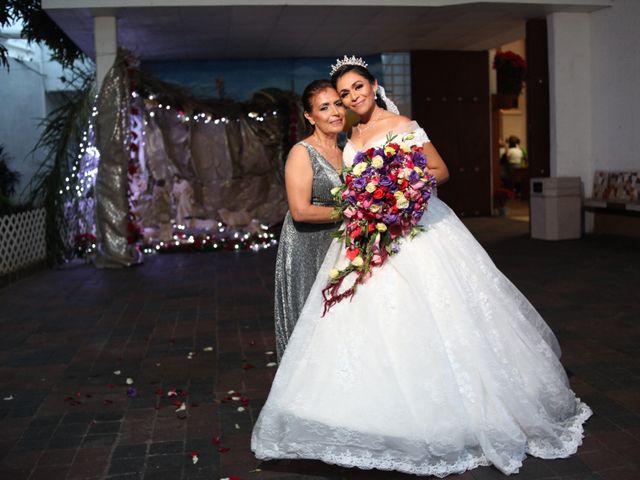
[
  {"x": 569, "y": 36},
  {"x": 106, "y": 45}
]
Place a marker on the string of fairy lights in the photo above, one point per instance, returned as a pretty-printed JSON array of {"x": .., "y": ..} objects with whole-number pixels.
[
  {"x": 78, "y": 193},
  {"x": 155, "y": 105}
]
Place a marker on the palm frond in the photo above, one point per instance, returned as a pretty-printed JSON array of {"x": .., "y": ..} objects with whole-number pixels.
[{"x": 60, "y": 140}]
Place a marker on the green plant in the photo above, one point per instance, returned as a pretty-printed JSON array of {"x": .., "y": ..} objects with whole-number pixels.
[
  {"x": 8, "y": 178},
  {"x": 60, "y": 140},
  {"x": 38, "y": 27}
]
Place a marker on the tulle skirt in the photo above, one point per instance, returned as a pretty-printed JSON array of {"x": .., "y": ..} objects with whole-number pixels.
[{"x": 437, "y": 365}]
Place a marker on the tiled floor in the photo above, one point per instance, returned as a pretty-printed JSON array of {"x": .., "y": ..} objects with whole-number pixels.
[{"x": 71, "y": 337}]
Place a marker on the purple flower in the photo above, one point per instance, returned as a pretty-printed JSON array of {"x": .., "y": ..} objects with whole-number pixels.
[
  {"x": 359, "y": 183},
  {"x": 358, "y": 158},
  {"x": 414, "y": 177},
  {"x": 385, "y": 181},
  {"x": 419, "y": 160},
  {"x": 131, "y": 392},
  {"x": 390, "y": 218}
]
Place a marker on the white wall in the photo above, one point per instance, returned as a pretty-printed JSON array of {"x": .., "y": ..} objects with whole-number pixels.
[
  {"x": 570, "y": 95},
  {"x": 594, "y": 75},
  {"x": 615, "y": 86},
  {"x": 23, "y": 107},
  {"x": 29, "y": 90}
]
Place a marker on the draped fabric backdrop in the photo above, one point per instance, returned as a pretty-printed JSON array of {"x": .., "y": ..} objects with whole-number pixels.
[{"x": 232, "y": 158}]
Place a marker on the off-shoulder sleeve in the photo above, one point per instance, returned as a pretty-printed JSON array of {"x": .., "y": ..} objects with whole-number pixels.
[{"x": 421, "y": 136}]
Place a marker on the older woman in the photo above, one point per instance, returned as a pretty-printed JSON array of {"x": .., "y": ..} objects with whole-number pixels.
[{"x": 311, "y": 171}]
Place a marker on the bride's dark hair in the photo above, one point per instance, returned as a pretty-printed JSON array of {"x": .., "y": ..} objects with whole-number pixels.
[{"x": 363, "y": 72}]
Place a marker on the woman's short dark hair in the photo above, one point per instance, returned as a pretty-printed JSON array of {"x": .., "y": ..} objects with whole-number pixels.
[
  {"x": 312, "y": 90},
  {"x": 360, "y": 70}
]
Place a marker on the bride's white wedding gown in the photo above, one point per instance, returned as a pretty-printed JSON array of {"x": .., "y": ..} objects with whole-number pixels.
[{"x": 437, "y": 365}]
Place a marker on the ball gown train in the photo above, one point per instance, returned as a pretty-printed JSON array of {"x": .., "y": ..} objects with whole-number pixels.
[{"x": 437, "y": 365}]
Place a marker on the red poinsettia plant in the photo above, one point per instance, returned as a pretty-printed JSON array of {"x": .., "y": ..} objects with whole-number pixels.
[{"x": 511, "y": 69}]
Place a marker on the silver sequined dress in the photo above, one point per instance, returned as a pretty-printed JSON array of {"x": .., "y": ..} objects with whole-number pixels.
[{"x": 301, "y": 251}]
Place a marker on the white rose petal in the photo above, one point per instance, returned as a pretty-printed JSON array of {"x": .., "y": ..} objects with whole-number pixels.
[
  {"x": 359, "y": 169},
  {"x": 8, "y": 398},
  {"x": 129, "y": 381},
  {"x": 237, "y": 426},
  {"x": 241, "y": 409},
  {"x": 117, "y": 372},
  {"x": 271, "y": 364},
  {"x": 269, "y": 353},
  {"x": 207, "y": 349}
]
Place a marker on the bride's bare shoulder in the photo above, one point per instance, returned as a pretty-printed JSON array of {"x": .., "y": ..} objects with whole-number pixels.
[{"x": 395, "y": 121}]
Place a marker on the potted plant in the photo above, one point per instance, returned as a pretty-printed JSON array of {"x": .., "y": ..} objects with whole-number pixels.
[
  {"x": 511, "y": 69},
  {"x": 500, "y": 197}
]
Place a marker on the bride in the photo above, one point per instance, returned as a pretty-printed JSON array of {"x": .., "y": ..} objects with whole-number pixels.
[{"x": 437, "y": 365}]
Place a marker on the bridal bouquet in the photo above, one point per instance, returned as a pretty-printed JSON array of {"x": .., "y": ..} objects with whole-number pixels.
[{"x": 383, "y": 197}]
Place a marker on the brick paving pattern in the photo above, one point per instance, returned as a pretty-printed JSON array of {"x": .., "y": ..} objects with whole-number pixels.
[{"x": 70, "y": 338}]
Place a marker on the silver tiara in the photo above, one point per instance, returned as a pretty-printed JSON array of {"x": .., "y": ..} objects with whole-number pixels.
[{"x": 353, "y": 60}]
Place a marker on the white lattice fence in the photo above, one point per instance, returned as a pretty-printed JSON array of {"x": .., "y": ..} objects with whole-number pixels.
[{"x": 22, "y": 240}]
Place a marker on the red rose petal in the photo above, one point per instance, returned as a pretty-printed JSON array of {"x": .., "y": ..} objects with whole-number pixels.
[
  {"x": 247, "y": 366},
  {"x": 224, "y": 449},
  {"x": 215, "y": 440}
]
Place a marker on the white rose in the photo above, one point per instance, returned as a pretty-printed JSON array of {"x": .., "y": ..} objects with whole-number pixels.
[
  {"x": 334, "y": 273},
  {"x": 359, "y": 169},
  {"x": 375, "y": 208},
  {"x": 401, "y": 201},
  {"x": 370, "y": 187},
  {"x": 357, "y": 262},
  {"x": 377, "y": 161},
  {"x": 335, "y": 190}
]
